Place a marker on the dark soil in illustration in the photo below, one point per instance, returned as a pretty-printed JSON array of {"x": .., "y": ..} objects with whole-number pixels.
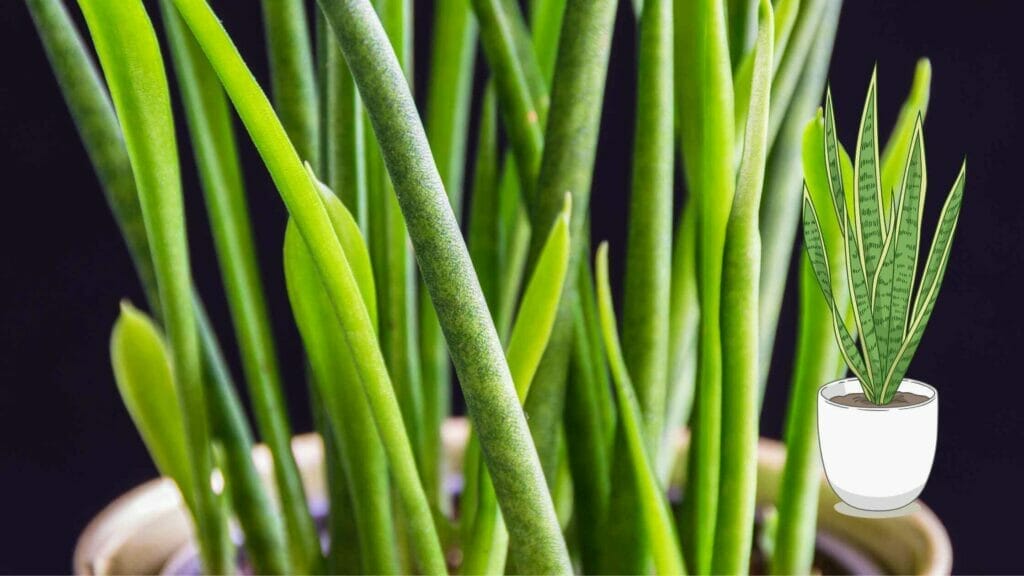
[{"x": 859, "y": 400}]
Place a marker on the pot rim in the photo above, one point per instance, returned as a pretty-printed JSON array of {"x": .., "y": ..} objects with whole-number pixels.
[
  {"x": 886, "y": 408},
  {"x": 148, "y": 507}
]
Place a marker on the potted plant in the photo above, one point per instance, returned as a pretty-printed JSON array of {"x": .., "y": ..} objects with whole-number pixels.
[
  {"x": 573, "y": 451},
  {"x": 878, "y": 429}
]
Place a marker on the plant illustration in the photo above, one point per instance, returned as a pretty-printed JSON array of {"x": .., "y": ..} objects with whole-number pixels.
[
  {"x": 574, "y": 408},
  {"x": 880, "y": 234}
]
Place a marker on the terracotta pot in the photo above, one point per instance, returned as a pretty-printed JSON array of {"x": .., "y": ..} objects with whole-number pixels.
[{"x": 144, "y": 530}]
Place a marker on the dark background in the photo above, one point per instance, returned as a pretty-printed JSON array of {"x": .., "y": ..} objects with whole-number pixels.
[{"x": 67, "y": 446}]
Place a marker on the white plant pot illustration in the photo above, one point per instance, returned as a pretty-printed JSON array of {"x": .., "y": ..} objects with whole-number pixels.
[{"x": 877, "y": 458}]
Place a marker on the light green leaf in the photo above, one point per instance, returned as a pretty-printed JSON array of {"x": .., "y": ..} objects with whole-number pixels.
[
  {"x": 352, "y": 242},
  {"x": 660, "y": 526},
  {"x": 129, "y": 53},
  {"x": 898, "y": 145},
  {"x": 340, "y": 389},
  {"x": 142, "y": 370},
  {"x": 537, "y": 313},
  {"x": 741, "y": 273}
]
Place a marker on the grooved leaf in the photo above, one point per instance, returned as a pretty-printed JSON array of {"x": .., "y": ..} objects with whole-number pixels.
[{"x": 931, "y": 281}]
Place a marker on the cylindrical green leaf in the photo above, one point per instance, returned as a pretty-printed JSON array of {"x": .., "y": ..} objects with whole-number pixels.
[
  {"x": 734, "y": 527},
  {"x": 708, "y": 148},
  {"x": 649, "y": 247},
  {"x": 570, "y": 146},
  {"x": 306, "y": 207},
  {"x": 448, "y": 274},
  {"x": 213, "y": 140},
  {"x": 292, "y": 79},
  {"x": 449, "y": 95},
  {"x": 130, "y": 55}
]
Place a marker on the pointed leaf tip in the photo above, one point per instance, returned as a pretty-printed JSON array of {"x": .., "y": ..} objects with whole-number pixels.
[{"x": 567, "y": 207}]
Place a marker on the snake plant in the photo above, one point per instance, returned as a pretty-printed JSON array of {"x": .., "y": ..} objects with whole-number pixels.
[
  {"x": 880, "y": 246},
  {"x": 571, "y": 456}
]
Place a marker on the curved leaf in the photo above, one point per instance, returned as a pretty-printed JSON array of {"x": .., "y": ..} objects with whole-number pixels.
[
  {"x": 142, "y": 370},
  {"x": 660, "y": 526},
  {"x": 931, "y": 281},
  {"x": 305, "y": 205},
  {"x": 898, "y": 145},
  {"x": 741, "y": 272},
  {"x": 129, "y": 54},
  {"x": 338, "y": 382},
  {"x": 895, "y": 278},
  {"x": 350, "y": 236},
  {"x": 855, "y": 265},
  {"x": 539, "y": 308},
  {"x": 819, "y": 264}
]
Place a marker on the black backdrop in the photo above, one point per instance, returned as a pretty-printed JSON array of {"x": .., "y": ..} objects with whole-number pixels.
[{"x": 67, "y": 446}]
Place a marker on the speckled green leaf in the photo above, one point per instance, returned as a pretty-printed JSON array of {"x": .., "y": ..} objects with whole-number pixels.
[
  {"x": 835, "y": 172},
  {"x": 866, "y": 179},
  {"x": 895, "y": 278},
  {"x": 535, "y": 536},
  {"x": 488, "y": 537},
  {"x": 857, "y": 276},
  {"x": 931, "y": 281},
  {"x": 819, "y": 263}
]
